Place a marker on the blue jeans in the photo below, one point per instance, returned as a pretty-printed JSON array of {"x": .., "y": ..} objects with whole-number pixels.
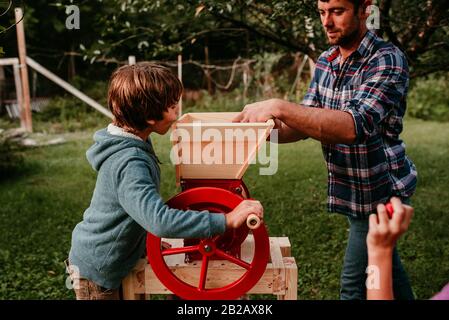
[{"x": 353, "y": 276}]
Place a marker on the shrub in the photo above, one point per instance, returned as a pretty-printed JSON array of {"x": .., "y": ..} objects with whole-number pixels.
[
  {"x": 67, "y": 114},
  {"x": 10, "y": 158},
  {"x": 429, "y": 98}
]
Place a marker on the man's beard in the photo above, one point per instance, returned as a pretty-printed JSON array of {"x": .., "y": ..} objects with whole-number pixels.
[
  {"x": 349, "y": 38},
  {"x": 345, "y": 39}
]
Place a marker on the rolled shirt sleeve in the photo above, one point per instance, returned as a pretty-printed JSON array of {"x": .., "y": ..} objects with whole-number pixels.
[
  {"x": 383, "y": 90},
  {"x": 311, "y": 99}
]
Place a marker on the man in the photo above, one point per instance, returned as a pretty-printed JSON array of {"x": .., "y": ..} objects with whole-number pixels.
[{"x": 355, "y": 105}]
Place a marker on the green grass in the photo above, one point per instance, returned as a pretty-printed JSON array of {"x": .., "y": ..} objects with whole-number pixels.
[{"x": 43, "y": 200}]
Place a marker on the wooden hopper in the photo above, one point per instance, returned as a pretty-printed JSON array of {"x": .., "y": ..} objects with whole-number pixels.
[{"x": 211, "y": 146}]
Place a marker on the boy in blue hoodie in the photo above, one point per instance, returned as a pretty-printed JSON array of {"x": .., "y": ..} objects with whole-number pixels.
[{"x": 126, "y": 202}]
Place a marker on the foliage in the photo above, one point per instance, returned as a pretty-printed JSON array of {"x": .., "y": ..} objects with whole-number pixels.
[
  {"x": 10, "y": 157},
  {"x": 111, "y": 30},
  {"x": 40, "y": 209},
  {"x": 67, "y": 114},
  {"x": 143, "y": 28},
  {"x": 166, "y": 27},
  {"x": 293, "y": 25},
  {"x": 429, "y": 98},
  {"x": 155, "y": 29},
  {"x": 421, "y": 31}
]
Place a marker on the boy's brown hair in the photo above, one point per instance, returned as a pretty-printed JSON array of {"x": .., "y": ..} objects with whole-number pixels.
[{"x": 141, "y": 92}]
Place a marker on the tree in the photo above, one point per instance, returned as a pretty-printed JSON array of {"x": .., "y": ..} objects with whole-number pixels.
[
  {"x": 160, "y": 28},
  {"x": 155, "y": 30},
  {"x": 5, "y": 7},
  {"x": 419, "y": 28},
  {"x": 290, "y": 25},
  {"x": 111, "y": 30}
]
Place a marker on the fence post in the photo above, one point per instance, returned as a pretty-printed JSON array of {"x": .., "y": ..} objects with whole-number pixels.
[
  {"x": 180, "y": 79},
  {"x": 25, "y": 113},
  {"x": 245, "y": 83},
  {"x": 207, "y": 72},
  {"x": 19, "y": 93}
]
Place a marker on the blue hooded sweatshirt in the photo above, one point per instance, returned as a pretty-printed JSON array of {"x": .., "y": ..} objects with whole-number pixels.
[{"x": 126, "y": 203}]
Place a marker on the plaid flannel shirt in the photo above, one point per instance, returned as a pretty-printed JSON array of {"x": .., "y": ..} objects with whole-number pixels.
[{"x": 372, "y": 86}]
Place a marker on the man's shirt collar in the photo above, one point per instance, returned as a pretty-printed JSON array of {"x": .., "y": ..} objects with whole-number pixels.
[{"x": 364, "y": 49}]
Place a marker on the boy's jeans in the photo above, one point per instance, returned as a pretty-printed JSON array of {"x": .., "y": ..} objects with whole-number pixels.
[{"x": 353, "y": 276}]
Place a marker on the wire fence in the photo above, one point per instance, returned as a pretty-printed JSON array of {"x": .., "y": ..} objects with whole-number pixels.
[{"x": 261, "y": 77}]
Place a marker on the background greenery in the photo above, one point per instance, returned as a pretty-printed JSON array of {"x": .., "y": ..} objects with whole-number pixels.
[
  {"x": 44, "y": 190},
  {"x": 47, "y": 193}
]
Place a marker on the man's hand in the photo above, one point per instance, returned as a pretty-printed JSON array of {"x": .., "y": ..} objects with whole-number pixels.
[
  {"x": 263, "y": 111},
  {"x": 384, "y": 232},
  {"x": 237, "y": 217},
  {"x": 298, "y": 122},
  {"x": 258, "y": 112}
]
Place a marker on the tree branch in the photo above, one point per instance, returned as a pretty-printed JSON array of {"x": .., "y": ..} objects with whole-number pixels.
[
  {"x": 385, "y": 7},
  {"x": 437, "y": 10},
  {"x": 424, "y": 70},
  {"x": 290, "y": 45}
]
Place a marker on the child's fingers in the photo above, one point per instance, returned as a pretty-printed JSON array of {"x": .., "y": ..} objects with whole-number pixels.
[
  {"x": 397, "y": 203},
  {"x": 257, "y": 208},
  {"x": 398, "y": 215},
  {"x": 409, "y": 211},
  {"x": 373, "y": 221},
  {"x": 382, "y": 214},
  {"x": 253, "y": 206}
]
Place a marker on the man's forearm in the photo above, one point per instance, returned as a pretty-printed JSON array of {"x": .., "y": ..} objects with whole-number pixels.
[
  {"x": 287, "y": 134},
  {"x": 327, "y": 126}
]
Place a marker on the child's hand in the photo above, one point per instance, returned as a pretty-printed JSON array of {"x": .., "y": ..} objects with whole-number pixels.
[
  {"x": 237, "y": 217},
  {"x": 384, "y": 232}
]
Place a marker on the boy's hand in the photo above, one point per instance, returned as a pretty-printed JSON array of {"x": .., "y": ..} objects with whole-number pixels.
[
  {"x": 237, "y": 217},
  {"x": 384, "y": 232}
]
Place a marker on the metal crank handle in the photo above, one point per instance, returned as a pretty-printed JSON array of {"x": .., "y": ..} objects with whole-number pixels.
[{"x": 253, "y": 221}]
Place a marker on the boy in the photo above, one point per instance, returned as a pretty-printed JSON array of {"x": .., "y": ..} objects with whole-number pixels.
[{"x": 126, "y": 203}]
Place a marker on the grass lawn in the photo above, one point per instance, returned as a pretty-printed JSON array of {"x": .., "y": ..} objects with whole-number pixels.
[{"x": 41, "y": 203}]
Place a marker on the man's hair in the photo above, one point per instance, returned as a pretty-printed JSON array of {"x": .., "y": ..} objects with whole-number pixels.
[
  {"x": 141, "y": 92},
  {"x": 356, "y": 3}
]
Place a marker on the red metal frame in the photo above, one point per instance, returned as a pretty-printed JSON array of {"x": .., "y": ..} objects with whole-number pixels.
[
  {"x": 236, "y": 186},
  {"x": 215, "y": 199}
]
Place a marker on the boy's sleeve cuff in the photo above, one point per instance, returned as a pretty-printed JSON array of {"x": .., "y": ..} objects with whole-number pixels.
[{"x": 217, "y": 223}]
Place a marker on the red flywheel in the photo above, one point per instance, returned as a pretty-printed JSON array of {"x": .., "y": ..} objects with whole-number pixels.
[{"x": 219, "y": 247}]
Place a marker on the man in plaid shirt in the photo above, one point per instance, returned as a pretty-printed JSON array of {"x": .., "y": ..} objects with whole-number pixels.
[{"x": 355, "y": 106}]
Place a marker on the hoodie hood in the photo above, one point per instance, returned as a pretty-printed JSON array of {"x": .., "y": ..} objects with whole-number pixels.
[{"x": 107, "y": 145}]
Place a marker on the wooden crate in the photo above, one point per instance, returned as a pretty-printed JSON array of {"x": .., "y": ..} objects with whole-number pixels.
[
  {"x": 280, "y": 277},
  {"x": 200, "y": 155}
]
